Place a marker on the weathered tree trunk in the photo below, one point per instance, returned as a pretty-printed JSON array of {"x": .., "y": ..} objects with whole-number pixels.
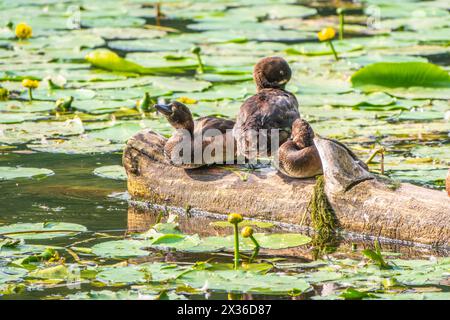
[{"x": 362, "y": 203}]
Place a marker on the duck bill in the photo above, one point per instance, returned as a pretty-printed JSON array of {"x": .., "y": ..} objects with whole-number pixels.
[{"x": 165, "y": 109}]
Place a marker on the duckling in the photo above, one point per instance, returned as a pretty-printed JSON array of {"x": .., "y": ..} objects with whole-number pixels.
[
  {"x": 272, "y": 107},
  {"x": 208, "y": 139},
  {"x": 298, "y": 156}
]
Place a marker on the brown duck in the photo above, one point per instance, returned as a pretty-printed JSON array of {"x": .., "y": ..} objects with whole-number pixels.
[
  {"x": 214, "y": 134},
  {"x": 272, "y": 107},
  {"x": 298, "y": 156}
]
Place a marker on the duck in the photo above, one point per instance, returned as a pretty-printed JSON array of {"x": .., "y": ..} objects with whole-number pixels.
[
  {"x": 298, "y": 156},
  {"x": 212, "y": 136},
  {"x": 272, "y": 107}
]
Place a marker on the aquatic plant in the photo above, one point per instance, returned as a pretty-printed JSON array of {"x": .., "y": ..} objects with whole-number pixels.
[
  {"x": 328, "y": 34},
  {"x": 376, "y": 257},
  {"x": 390, "y": 75},
  {"x": 247, "y": 232},
  {"x": 75, "y": 263},
  {"x": 340, "y": 12},
  {"x": 64, "y": 105},
  {"x": 30, "y": 85},
  {"x": 23, "y": 31},
  {"x": 197, "y": 52},
  {"x": 3, "y": 94},
  {"x": 145, "y": 104},
  {"x": 235, "y": 219},
  {"x": 323, "y": 220},
  {"x": 381, "y": 151},
  {"x": 158, "y": 13}
]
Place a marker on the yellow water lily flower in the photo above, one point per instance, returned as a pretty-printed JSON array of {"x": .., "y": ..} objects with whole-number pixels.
[
  {"x": 23, "y": 31},
  {"x": 187, "y": 100},
  {"x": 234, "y": 218},
  {"x": 326, "y": 34},
  {"x": 29, "y": 83},
  {"x": 247, "y": 232}
]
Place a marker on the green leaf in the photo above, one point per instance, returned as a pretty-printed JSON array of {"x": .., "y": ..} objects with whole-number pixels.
[
  {"x": 41, "y": 230},
  {"x": 401, "y": 74},
  {"x": 11, "y": 274},
  {"x": 11, "y": 173},
  {"x": 77, "y": 145},
  {"x": 121, "y": 249},
  {"x": 375, "y": 257},
  {"x": 109, "y": 60},
  {"x": 59, "y": 272},
  {"x": 111, "y": 172},
  {"x": 354, "y": 294},
  {"x": 242, "y": 281},
  {"x": 281, "y": 240}
]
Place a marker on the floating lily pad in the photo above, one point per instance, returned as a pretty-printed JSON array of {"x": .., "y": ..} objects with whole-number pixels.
[
  {"x": 120, "y": 249},
  {"x": 270, "y": 11},
  {"x": 19, "y": 117},
  {"x": 166, "y": 44},
  {"x": 111, "y": 172},
  {"x": 45, "y": 230},
  {"x": 11, "y": 173},
  {"x": 400, "y": 75},
  {"x": 124, "y": 295},
  {"x": 11, "y": 274},
  {"x": 78, "y": 145},
  {"x": 241, "y": 281},
  {"x": 437, "y": 152},
  {"x": 96, "y": 106},
  {"x": 25, "y": 132},
  {"x": 323, "y": 48}
]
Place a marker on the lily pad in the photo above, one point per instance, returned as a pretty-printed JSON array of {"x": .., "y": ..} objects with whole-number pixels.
[
  {"x": 78, "y": 145},
  {"x": 11, "y": 173},
  {"x": 115, "y": 172},
  {"x": 46, "y": 230},
  {"x": 120, "y": 249},
  {"x": 402, "y": 74}
]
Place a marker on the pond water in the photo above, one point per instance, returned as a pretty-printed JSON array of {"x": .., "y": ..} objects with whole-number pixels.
[{"x": 103, "y": 249}]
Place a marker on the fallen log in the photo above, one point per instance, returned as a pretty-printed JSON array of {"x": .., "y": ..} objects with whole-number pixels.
[{"x": 362, "y": 202}]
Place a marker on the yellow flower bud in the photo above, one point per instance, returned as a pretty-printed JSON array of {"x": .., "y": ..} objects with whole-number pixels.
[
  {"x": 28, "y": 83},
  {"x": 3, "y": 94},
  {"x": 247, "y": 232},
  {"x": 23, "y": 31},
  {"x": 326, "y": 34},
  {"x": 234, "y": 218}
]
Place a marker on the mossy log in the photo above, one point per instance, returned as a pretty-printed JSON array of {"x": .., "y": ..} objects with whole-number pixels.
[{"x": 362, "y": 202}]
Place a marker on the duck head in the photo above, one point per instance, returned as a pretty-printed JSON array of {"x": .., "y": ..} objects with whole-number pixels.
[
  {"x": 302, "y": 134},
  {"x": 178, "y": 115},
  {"x": 271, "y": 72}
]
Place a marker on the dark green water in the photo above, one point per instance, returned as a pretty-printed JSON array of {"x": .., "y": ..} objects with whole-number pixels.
[{"x": 74, "y": 194}]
